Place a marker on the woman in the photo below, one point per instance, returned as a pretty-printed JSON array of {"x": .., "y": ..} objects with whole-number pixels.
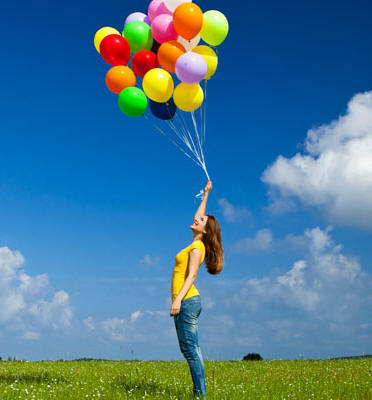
[{"x": 186, "y": 306}]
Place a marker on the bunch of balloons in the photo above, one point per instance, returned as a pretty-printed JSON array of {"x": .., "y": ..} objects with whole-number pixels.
[{"x": 163, "y": 42}]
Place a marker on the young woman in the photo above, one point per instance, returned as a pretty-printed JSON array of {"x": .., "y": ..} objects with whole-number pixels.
[{"x": 186, "y": 306}]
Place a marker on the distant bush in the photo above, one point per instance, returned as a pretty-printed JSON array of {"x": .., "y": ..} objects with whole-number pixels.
[
  {"x": 252, "y": 357},
  {"x": 90, "y": 359}
]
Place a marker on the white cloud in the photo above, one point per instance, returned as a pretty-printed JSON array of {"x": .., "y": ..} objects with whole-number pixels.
[
  {"x": 32, "y": 285},
  {"x": 10, "y": 261},
  {"x": 89, "y": 323},
  {"x": 336, "y": 174},
  {"x": 233, "y": 213},
  {"x": 11, "y": 304},
  {"x": 207, "y": 302},
  {"x": 135, "y": 315},
  {"x": 326, "y": 283},
  {"x": 115, "y": 328},
  {"x": 56, "y": 312},
  {"x": 149, "y": 261},
  {"x": 30, "y": 335},
  {"x": 264, "y": 241},
  {"x": 139, "y": 327},
  {"x": 29, "y": 301}
]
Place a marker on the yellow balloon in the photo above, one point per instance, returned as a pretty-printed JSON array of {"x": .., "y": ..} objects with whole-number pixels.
[
  {"x": 188, "y": 97},
  {"x": 210, "y": 57},
  {"x": 102, "y": 33},
  {"x": 158, "y": 85}
]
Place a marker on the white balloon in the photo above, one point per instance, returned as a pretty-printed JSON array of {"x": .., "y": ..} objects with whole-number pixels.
[
  {"x": 173, "y": 4},
  {"x": 189, "y": 44}
]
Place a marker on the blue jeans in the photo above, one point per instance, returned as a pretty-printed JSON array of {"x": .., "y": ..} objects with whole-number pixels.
[{"x": 186, "y": 323}]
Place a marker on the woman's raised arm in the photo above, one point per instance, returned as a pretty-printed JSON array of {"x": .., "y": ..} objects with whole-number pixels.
[{"x": 201, "y": 210}]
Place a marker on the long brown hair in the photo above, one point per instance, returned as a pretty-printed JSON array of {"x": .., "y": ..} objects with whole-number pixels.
[{"x": 214, "y": 258}]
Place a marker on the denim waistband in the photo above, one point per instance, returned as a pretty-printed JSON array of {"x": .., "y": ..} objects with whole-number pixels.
[{"x": 193, "y": 298}]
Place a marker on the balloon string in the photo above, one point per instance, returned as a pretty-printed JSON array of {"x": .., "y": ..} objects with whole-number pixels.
[
  {"x": 182, "y": 130},
  {"x": 192, "y": 142},
  {"x": 198, "y": 153},
  {"x": 172, "y": 141},
  {"x": 197, "y": 136},
  {"x": 205, "y": 111},
  {"x": 184, "y": 140},
  {"x": 200, "y": 145},
  {"x": 180, "y": 135},
  {"x": 190, "y": 137}
]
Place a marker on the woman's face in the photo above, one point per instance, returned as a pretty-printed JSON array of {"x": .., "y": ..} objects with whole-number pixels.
[{"x": 199, "y": 224}]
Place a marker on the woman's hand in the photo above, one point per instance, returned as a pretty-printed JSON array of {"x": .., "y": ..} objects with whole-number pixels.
[
  {"x": 208, "y": 187},
  {"x": 175, "y": 309}
]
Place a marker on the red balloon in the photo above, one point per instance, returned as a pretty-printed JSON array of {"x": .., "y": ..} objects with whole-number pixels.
[
  {"x": 143, "y": 61},
  {"x": 115, "y": 50}
]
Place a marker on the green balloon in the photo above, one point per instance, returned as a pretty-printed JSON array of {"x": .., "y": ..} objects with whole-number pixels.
[
  {"x": 139, "y": 36},
  {"x": 133, "y": 102},
  {"x": 215, "y": 28}
]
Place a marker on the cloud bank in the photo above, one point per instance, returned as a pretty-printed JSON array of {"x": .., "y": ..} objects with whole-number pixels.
[
  {"x": 336, "y": 173},
  {"x": 326, "y": 284},
  {"x": 29, "y": 303}
]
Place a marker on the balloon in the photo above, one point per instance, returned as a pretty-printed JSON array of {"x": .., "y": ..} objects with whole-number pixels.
[
  {"x": 101, "y": 34},
  {"x": 164, "y": 111},
  {"x": 210, "y": 58},
  {"x": 189, "y": 44},
  {"x": 119, "y": 78},
  {"x": 188, "y": 20},
  {"x": 188, "y": 97},
  {"x": 137, "y": 16},
  {"x": 215, "y": 28},
  {"x": 133, "y": 102},
  {"x": 162, "y": 28},
  {"x": 138, "y": 35},
  {"x": 115, "y": 50},
  {"x": 168, "y": 54},
  {"x": 191, "y": 68},
  {"x": 173, "y": 4},
  {"x": 158, "y": 85},
  {"x": 143, "y": 61},
  {"x": 156, "y": 8}
]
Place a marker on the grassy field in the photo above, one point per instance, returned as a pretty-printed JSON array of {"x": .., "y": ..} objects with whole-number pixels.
[{"x": 228, "y": 380}]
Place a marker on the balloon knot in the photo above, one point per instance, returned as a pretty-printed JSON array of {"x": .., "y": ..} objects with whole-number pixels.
[{"x": 200, "y": 195}]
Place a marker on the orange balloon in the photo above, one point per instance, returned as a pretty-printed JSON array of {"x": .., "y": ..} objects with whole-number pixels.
[
  {"x": 188, "y": 20},
  {"x": 119, "y": 78},
  {"x": 168, "y": 54}
]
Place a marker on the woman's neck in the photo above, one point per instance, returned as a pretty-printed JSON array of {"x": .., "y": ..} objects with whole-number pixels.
[{"x": 197, "y": 236}]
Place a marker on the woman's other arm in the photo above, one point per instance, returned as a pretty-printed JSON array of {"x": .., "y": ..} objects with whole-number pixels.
[
  {"x": 193, "y": 267},
  {"x": 201, "y": 210}
]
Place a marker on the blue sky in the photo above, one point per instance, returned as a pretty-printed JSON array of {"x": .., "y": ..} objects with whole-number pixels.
[{"x": 95, "y": 205}]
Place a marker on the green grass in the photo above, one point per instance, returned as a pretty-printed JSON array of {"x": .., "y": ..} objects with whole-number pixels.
[{"x": 227, "y": 380}]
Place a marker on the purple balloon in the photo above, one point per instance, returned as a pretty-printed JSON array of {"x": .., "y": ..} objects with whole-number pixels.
[
  {"x": 138, "y": 16},
  {"x": 191, "y": 68}
]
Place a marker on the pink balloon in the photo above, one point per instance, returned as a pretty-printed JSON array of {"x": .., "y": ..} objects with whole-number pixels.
[
  {"x": 162, "y": 28},
  {"x": 156, "y": 8}
]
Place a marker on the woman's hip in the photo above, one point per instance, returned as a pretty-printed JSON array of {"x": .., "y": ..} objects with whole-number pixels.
[{"x": 190, "y": 310}]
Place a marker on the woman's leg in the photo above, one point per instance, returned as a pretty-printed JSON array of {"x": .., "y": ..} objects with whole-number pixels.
[{"x": 186, "y": 323}]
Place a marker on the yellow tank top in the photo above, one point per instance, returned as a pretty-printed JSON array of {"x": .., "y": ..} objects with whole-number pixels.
[{"x": 180, "y": 270}]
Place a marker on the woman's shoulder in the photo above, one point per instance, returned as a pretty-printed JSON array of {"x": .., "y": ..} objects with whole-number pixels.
[{"x": 197, "y": 244}]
